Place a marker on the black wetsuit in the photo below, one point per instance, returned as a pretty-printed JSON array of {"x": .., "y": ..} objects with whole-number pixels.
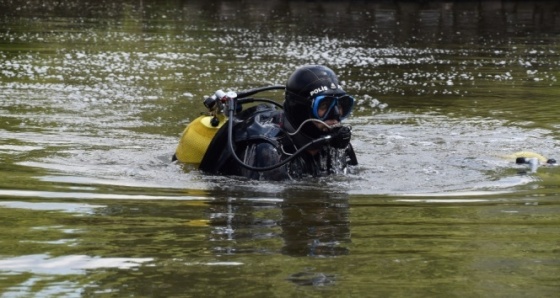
[{"x": 260, "y": 140}]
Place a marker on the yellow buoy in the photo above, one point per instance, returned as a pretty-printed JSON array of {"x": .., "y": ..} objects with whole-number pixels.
[
  {"x": 527, "y": 154},
  {"x": 196, "y": 138}
]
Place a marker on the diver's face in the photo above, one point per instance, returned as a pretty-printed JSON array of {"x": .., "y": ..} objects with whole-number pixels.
[{"x": 322, "y": 111}]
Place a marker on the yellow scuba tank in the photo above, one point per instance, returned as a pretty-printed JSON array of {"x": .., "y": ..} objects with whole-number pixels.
[{"x": 196, "y": 137}]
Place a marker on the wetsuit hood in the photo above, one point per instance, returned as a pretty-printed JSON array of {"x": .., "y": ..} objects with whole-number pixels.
[{"x": 305, "y": 83}]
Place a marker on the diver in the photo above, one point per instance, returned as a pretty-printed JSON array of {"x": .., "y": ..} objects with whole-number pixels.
[{"x": 268, "y": 141}]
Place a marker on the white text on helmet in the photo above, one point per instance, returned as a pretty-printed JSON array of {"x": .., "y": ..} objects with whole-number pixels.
[{"x": 320, "y": 89}]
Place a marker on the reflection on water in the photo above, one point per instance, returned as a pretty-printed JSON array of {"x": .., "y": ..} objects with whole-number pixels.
[
  {"x": 94, "y": 94},
  {"x": 307, "y": 224},
  {"x": 315, "y": 227},
  {"x": 300, "y": 239},
  {"x": 66, "y": 265},
  {"x": 66, "y": 207},
  {"x": 42, "y": 265}
]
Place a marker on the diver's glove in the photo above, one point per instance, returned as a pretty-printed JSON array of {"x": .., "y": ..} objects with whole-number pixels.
[{"x": 340, "y": 138}]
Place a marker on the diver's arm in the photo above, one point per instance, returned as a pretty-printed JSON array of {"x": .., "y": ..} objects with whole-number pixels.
[{"x": 351, "y": 155}]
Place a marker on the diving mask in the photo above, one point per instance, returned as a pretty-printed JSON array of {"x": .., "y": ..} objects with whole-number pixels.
[{"x": 332, "y": 107}]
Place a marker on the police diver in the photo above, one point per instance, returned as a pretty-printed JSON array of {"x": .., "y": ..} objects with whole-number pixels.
[{"x": 306, "y": 138}]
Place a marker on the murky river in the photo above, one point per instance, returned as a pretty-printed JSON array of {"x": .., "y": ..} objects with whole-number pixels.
[{"x": 94, "y": 96}]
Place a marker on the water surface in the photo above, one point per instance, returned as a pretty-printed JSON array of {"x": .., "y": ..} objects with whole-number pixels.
[{"x": 93, "y": 97}]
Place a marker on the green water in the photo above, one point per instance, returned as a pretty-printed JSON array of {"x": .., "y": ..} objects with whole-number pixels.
[{"x": 94, "y": 96}]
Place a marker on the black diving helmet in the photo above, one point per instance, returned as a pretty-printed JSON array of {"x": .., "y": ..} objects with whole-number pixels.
[{"x": 314, "y": 92}]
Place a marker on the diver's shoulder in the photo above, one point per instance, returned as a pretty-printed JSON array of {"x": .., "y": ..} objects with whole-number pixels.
[{"x": 262, "y": 121}]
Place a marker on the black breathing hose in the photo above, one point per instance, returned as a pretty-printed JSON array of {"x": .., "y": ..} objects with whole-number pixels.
[
  {"x": 249, "y": 100},
  {"x": 250, "y": 92}
]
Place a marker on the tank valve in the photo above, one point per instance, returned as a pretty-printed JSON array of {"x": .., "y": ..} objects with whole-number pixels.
[{"x": 214, "y": 121}]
